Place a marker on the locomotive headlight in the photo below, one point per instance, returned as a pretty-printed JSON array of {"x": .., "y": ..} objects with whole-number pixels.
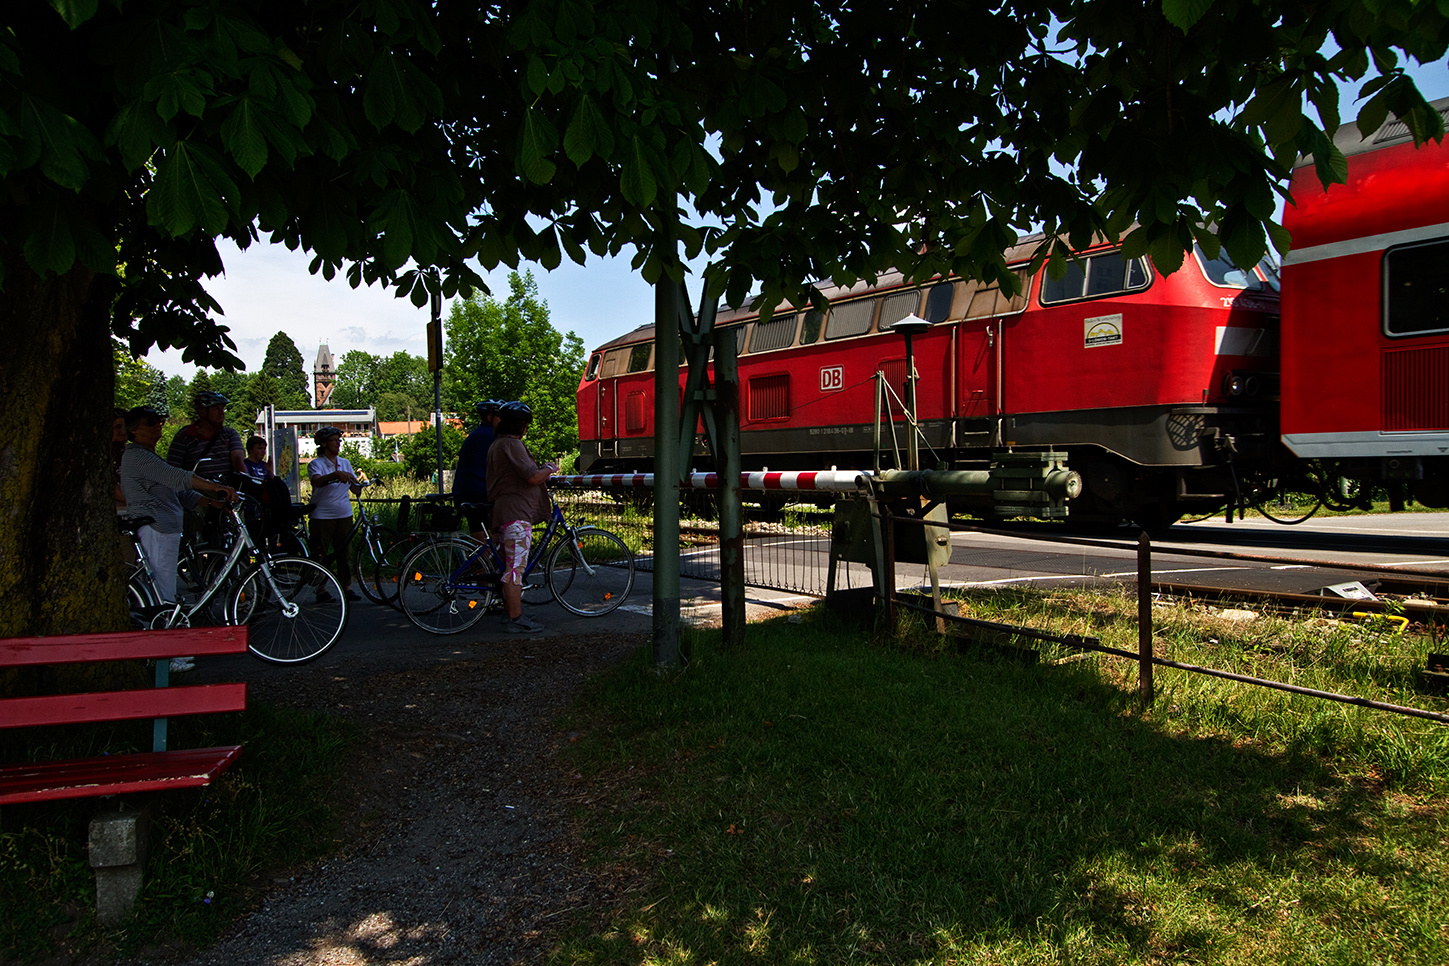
[{"x": 1241, "y": 384}]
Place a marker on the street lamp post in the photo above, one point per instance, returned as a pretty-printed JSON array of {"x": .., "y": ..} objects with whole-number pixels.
[{"x": 911, "y": 326}]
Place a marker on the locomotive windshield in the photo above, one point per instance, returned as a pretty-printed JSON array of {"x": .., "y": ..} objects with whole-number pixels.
[{"x": 1222, "y": 272}]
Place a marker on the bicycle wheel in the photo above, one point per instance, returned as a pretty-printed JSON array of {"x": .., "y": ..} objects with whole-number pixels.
[
  {"x": 295, "y": 616},
  {"x": 431, "y": 597},
  {"x": 384, "y": 573},
  {"x": 141, "y": 602},
  {"x": 592, "y": 572},
  {"x": 365, "y": 556}
]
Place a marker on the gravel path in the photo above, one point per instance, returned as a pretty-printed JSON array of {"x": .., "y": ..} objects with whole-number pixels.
[{"x": 462, "y": 851}]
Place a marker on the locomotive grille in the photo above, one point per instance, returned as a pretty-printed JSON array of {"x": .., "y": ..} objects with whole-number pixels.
[
  {"x": 1416, "y": 389},
  {"x": 634, "y": 413},
  {"x": 770, "y": 397}
]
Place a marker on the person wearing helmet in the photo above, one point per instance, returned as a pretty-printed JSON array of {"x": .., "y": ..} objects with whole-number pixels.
[
  {"x": 470, "y": 479},
  {"x": 207, "y": 447},
  {"x": 332, "y": 480},
  {"x": 518, "y": 485}
]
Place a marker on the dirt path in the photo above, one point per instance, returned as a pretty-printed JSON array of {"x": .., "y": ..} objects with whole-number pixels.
[{"x": 462, "y": 853}]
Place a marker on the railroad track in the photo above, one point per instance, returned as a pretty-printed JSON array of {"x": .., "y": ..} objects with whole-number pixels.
[{"x": 1420, "y": 599}]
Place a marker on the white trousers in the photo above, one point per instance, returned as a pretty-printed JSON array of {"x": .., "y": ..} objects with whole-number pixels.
[{"x": 161, "y": 551}]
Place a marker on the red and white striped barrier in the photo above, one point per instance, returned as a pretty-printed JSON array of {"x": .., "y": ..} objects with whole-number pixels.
[{"x": 835, "y": 481}]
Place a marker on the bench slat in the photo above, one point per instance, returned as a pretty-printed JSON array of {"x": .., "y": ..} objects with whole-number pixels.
[
  {"x": 114, "y": 774},
  {"x": 122, "y": 646},
  {"x": 122, "y": 705}
]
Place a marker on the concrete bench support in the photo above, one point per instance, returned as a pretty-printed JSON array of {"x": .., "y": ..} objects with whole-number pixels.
[{"x": 119, "y": 842}]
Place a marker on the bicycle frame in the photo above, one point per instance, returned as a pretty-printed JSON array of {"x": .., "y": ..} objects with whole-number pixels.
[
  {"x": 242, "y": 546},
  {"x": 557, "y": 525}
]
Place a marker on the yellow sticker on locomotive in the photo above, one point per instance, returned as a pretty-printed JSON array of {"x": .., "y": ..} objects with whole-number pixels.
[{"x": 1102, "y": 330}]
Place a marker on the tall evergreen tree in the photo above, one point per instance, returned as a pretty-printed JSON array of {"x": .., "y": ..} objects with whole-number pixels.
[{"x": 283, "y": 362}]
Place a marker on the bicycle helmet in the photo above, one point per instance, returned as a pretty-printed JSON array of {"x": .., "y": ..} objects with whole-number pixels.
[
  {"x": 516, "y": 408},
  {"x": 205, "y": 400},
  {"x": 325, "y": 433},
  {"x": 488, "y": 407},
  {"x": 136, "y": 415}
]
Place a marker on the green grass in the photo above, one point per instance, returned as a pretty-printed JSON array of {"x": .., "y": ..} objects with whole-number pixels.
[
  {"x": 270, "y": 811},
  {"x": 817, "y": 797}
]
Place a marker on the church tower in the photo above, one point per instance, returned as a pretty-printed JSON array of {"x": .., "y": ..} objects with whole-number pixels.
[{"x": 324, "y": 375}]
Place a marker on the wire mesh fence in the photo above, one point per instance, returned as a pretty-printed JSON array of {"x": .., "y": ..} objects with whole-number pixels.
[{"x": 785, "y": 548}]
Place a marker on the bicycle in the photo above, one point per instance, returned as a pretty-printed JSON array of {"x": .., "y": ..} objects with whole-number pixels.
[
  {"x": 447, "y": 584},
  {"x": 368, "y": 552},
  {"x": 294, "y": 607}
]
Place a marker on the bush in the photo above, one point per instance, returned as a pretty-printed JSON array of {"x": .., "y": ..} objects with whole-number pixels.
[{"x": 420, "y": 452}]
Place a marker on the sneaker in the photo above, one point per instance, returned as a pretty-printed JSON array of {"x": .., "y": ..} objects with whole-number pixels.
[
  {"x": 521, "y": 625},
  {"x": 183, "y": 664},
  {"x": 353, "y": 595},
  {"x": 323, "y": 597}
]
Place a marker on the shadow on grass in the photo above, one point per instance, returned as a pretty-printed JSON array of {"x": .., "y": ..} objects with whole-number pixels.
[{"x": 815, "y": 799}]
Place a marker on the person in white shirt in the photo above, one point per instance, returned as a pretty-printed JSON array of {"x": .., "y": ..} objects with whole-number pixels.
[
  {"x": 151, "y": 487},
  {"x": 332, "y": 480}
]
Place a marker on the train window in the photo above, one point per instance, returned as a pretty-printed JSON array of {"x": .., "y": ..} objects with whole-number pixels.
[
  {"x": 593, "y": 372},
  {"x": 1269, "y": 270},
  {"x": 778, "y": 333},
  {"x": 849, "y": 318},
  {"x": 615, "y": 363},
  {"x": 1222, "y": 272},
  {"x": 979, "y": 300},
  {"x": 1416, "y": 291},
  {"x": 1095, "y": 276},
  {"x": 938, "y": 302},
  {"x": 810, "y": 326},
  {"x": 893, "y": 308},
  {"x": 639, "y": 356}
]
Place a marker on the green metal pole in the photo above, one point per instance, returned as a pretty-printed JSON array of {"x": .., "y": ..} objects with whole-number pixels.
[
  {"x": 666, "y": 469},
  {"x": 437, "y": 306},
  {"x": 731, "y": 516}
]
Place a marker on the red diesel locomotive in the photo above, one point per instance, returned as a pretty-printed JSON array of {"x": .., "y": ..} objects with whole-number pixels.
[
  {"x": 1154, "y": 386},
  {"x": 1164, "y": 391}
]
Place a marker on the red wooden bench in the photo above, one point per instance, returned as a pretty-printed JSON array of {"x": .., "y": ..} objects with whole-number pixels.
[{"x": 157, "y": 769}]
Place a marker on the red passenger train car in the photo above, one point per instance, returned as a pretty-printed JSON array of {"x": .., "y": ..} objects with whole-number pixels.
[
  {"x": 1365, "y": 360},
  {"x": 1164, "y": 391}
]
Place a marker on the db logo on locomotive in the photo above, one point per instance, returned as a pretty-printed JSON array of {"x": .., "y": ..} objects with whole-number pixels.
[{"x": 832, "y": 378}]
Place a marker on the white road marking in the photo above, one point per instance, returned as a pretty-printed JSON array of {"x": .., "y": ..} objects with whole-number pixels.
[{"x": 1125, "y": 573}]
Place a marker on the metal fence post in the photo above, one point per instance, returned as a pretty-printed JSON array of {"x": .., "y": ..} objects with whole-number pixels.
[
  {"x": 888, "y": 576},
  {"x": 1144, "y": 618}
]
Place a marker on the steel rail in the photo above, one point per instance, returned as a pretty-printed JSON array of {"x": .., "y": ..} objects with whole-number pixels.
[{"x": 1422, "y": 609}]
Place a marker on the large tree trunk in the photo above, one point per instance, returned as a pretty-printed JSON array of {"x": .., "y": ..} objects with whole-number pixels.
[{"x": 60, "y": 569}]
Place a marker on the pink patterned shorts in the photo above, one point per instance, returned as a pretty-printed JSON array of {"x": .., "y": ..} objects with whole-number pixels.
[{"x": 515, "y": 539}]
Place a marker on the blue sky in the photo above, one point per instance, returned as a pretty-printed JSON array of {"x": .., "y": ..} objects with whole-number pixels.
[{"x": 267, "y": 289}]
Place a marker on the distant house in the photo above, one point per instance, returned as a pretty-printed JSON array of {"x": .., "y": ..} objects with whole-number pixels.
[
  {"x": 357, "y": 425},
  {"x": 409, "y": 427}
]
